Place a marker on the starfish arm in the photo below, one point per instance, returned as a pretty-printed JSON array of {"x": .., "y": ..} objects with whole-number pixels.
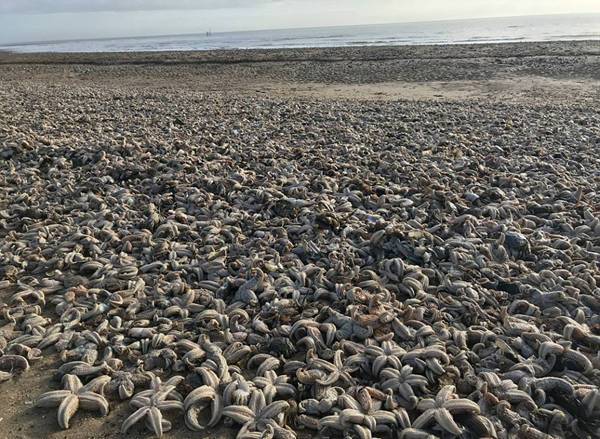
[
  {"x": 170, "y": 405},
  {"x": 93, "y": 401},
  {"x": 72, "y": 383},
  {"x": 209, "y": 377},
  {"x": 202, "y": 393},
  {"x": 273, "y": 410},
  {"x": 126, "y": 389},
  {"x": 330, "y": 380},
  {"x": 378, "y": 364},
  {"x": 445, "y": 420},
  {"x": 52, "y": 399},
  {"x": 374, "y": 351},
  {"x": 245, "y": 432},
  {"x": 155, "y": 421},
  {"x": 97, "y": 384},
  {"x": 392, "y": 383},
  {"x": 166, "y": 425},
  {"x": 362, "y": 432},
  {"x": 385, "y": 417},
  {"x": 139, "y": 402},
  {"x": 425, "y": 419},
  {"x": 349, "y": 379},
  {"x": 270, "y": 392},
  {"x": 349, "y": 417},
  {"x": 405, "y": 391},
  {"x": 134, "y": 418},
  {"x": 166, "y": 392},
  {"x": 191, "y": 417},
  {"x": 426, "y": 404},
  {"x": 462, "y": 406},
  {"x": 143, "y": 394},
  {"x": 261, "y": 382},
  {"x": 257, "y": 401},
  {"x": 319, "y": 363},
  {"x": 389, "y": 373},
  {"x": 402, "y": 417},
  {"x": 268, "y": 364},
  {"x": 337, "y": 359},
  {"x": 445, "y": 394},
  {"x": 274, "y": 430},
  {"x": 332, "y": 421},
  {"x": 68, "y": 407},
  {"x": 398, "y": 351},
  {"x": 286, "y": 390},
  {"x": 239, "y": 413},
  {"x": 416, "y": 380},
  {"x": 394, "y": 362},
  {"x": 216, "y": 410},
  {"x": 174, "y": 381}
]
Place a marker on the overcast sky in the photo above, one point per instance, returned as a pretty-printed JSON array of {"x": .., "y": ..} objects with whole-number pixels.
[{"x": 45, "y": 20}]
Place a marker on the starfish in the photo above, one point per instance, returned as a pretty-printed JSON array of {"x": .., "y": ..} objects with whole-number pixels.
[
  {"x": 337, "y": 370},
  {"x": 238, "y": 391},
  {"x": 257, "y": 415},
  {"x": 150, "y": 409},
  {"x": 387, "y": 355},
  {"x": 157, "y": 386},
  {"x": 441, "y": 409},
  {"x": 273, "y": 385},
  {"x": 74, "y": 396},
  {"x": 124, "y": 383},
  {"x": 199, "y": 398},
  {"x": 10, "y": 365},
  {"x": 350, "y": 419},
  {"x": 403, "y": 381}
]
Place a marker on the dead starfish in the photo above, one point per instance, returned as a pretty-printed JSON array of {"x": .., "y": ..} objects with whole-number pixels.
[
  {"x": 157, "y": 386},
  {"x": 336, "y": 371},
  {"x": 388, "y": 354},
  {"x": 441, "y": 409},
  {"x": 123, "y": 383},
  {"x": 197, "y": 401},
  {"x": 274, "y": 385},
  {"x": 150, "y": 409},
  {"x": 74, "y": 396},
  {"x": 257, "y": 415},
  {"x": 403, "y": 381}
]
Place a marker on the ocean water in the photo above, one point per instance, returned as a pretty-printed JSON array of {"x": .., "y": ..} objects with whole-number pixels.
[{"x": 489, "y": 30}]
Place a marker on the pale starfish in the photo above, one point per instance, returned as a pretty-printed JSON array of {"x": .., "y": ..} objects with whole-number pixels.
[
  {"x": 197, "y": 401},
  {"x": 257, "y": 415},
  {"x": 349, "y": 420},
  {"x": 157, "y": 386},
  {"x": 274, "y": 385},
  {"x": 123, "y": 383},
  {"x": 74, "y": 396},
  {"x": 388, "y": 354},
  {"x": 337, "y": 371},
  {"x": 404, "y": 381},
  {"x": 150, "y": 409},
  {"x": 238, "y": 391},
  {"x": 441, "y": 409}
]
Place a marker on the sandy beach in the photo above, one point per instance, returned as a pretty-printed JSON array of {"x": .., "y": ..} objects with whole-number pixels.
[{"x": 450, "y": 192}]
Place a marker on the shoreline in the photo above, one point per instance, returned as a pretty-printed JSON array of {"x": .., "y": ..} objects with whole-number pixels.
[{"x": 527, "y": 49}]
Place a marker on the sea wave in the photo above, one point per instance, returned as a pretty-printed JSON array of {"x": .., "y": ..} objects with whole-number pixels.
[{"x": 542, "y": 28}]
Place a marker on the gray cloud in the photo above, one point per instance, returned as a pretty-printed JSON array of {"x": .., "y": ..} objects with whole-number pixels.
[{"x": 61, "y": 6}]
